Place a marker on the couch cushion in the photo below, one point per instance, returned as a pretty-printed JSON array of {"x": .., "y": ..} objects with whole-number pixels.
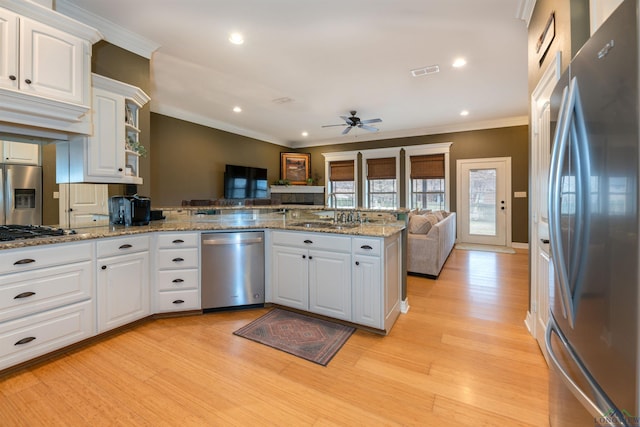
[{"x": 419, "y": 224}]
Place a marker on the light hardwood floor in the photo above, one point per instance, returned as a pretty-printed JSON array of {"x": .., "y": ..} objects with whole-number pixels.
[{"x": 461, "y": 357}]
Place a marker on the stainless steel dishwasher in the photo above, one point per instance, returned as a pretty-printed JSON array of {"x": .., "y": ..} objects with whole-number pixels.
[{"x": 232, "y": 269}]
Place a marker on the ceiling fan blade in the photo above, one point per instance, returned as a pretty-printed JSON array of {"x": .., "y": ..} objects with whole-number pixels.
[
  {"x": 364, "y": 122},
  {"x": 329, "y": 126},
  {"x": 346, "y": 131},
  {"x": 369, "y": 128}
]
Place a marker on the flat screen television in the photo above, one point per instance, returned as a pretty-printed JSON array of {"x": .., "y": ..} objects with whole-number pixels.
[{"x": 244, "y": 182}]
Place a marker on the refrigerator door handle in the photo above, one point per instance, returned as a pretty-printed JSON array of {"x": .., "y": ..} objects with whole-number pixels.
[
  {"x": 555, "y": 170},
  {"x": 608, "y": 412}
]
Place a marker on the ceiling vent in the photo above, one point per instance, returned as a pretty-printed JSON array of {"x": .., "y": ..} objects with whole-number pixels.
[
  {"x": 283, "y": 100},
  {"x": 431, "y": 69}
]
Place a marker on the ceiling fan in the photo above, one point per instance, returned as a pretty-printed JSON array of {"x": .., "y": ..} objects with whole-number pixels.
[{"x": 354, "y": 121}]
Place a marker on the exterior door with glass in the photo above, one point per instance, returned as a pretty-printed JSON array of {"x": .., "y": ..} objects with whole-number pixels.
[{"x": 483, "y": 202}]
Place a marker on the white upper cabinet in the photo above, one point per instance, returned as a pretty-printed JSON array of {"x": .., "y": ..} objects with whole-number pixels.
[
  {"x": 45, "y": 66},
  {"x": 109, "y": 155},
  {"x": 51, "y": 63},
  {"x": 20, "y": 152}
]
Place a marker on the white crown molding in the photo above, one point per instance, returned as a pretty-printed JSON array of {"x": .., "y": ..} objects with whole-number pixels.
[
  {"x": 525, "y": 10},
  {"x": 113, "y": 33},
  {"x": 51, "y": 17}
]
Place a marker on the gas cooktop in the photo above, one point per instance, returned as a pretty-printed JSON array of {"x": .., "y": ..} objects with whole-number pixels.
[{"x": 15, "y": 232}]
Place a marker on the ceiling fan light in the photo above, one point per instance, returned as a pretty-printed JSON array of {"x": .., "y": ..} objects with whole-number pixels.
[{"x": 236, "y": 38}]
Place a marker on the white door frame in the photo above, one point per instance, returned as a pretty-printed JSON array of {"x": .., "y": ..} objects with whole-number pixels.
[
  {"x": 541, "y": 266},
  {"x": 507, "y": 205}
]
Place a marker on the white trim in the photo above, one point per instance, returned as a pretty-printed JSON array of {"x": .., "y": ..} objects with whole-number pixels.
[
  {"x": 113, "y": 33},
  {"x": 525, "y": 10},
  {"x": 520, "y": 245},
  {"x": 432, "y": 130},
  {"x": 422, "y": 150},
  {"x": 338, "y": 156},
  {"x": 380, "y": 153},
  {"x": 404, "y": 306}
]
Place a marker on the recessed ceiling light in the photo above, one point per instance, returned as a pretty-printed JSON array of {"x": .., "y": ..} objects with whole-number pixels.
[
  {"x": 236, "y": 38},
  {"x": 464, "y": 113},
  {"x": 305, "y": 134},
  {"x": 460, "y": 62},
  {"x": 237, "y": 110}
]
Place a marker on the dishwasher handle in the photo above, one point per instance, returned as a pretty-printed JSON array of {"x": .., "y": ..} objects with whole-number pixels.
[{"x": 223, "y": 241}]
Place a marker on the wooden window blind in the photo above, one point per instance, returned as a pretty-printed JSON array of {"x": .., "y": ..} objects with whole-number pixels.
[
  {"x": 384, "y": 168},
  {"x": 427, "y": 167},
  {"x": 343, "y": 170}
]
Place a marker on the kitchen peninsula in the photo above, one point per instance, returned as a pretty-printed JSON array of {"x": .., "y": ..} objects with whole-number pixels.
[{"x": 58, "y": 291}]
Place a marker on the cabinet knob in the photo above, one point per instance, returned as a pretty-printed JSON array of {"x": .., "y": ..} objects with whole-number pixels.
[
  {"x": 119, "y": 169},
  {"x": 357, "y": 262},
  {"x": 310, "y": 257},
  {"x": 12, "y": 77},
  {"x": 27, "y": 81},
  {"x": 304, "y": 256},
  {"x": 104, "y": 267}
]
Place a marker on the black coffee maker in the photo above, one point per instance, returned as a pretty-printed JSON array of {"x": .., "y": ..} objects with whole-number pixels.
[{"x": 129, "y": 210}]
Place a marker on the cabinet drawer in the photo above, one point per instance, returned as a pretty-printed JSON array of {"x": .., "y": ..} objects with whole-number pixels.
[
  {"x": 14, "y": 260},
  {"x": 122, "y": 245},
  {"x": 177, "y": 258},
  {"x": 312, "y": 240},
  {"x": 367, "y": 246},
  {"x": 177, "y": 240},
  {"x": 41, "y": 333},
  {"x": 37, "y": 290},
  {"x": 171, "y": 280},
  {"x": 178, "y": 301}
]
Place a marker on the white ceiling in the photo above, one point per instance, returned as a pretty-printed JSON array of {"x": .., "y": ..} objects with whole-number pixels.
[{"x": 328, "y": 57}]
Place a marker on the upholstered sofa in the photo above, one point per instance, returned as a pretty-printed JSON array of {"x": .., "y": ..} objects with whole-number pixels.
[{"x": 431, "y": 236}]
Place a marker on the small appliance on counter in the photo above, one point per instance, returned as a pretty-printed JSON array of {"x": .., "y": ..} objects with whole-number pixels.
[{"x": 129, "y": 210}]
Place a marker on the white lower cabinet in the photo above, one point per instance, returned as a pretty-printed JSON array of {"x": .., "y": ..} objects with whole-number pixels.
[
  {"x": 356, "y": 279},
  {"x": 377, "y": 281},
  {"x": 177, "y": 274},
  {"x": 46, "y": 300},
  {"x": 122, "y": 281}
]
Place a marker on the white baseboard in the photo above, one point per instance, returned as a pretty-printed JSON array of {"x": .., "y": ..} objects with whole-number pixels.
[
  {"x": 528, "y": 322},
  {"x": 404, "y": 306},
  {"x": 518, "y": 245}
]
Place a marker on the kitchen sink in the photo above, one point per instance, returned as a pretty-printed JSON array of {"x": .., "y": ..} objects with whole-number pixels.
[{"x": 321, "y": 224}]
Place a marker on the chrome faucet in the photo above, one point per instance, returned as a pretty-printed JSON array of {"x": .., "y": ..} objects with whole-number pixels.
[{"x": 333, "y": 201}]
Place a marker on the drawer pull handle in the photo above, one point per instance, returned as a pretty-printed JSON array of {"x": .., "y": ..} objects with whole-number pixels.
[
  {"x": 177, "y": 280},
  {"x": 178, "y": 241},
  {"x": 24, "y": 295},
  {"x": 125, "y": 246},
  {"x": 178, "y": 301},
  {"x": 177, "y": 259},
  {"x": 24, "y": 261},
  {"x": 308, "y": 241},
  {"x": 26, "y": 340},
  {"x": 367, "y": 247},
  {"x": 545, "y": 241}
]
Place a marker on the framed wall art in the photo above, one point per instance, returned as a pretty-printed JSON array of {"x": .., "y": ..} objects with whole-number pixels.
[{"x": 295, "y": 167}]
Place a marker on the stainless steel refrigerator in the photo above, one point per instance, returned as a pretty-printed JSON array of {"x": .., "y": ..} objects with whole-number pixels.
[
  {"x": 592, "y": 335},
  {"x": 21, "y": 195}
]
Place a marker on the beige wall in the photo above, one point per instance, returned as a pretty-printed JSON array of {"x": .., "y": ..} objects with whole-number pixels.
[{"x": 188, "y": 160}]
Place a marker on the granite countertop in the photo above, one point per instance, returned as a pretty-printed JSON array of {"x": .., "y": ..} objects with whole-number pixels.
[{"x": 373, "y": 229}]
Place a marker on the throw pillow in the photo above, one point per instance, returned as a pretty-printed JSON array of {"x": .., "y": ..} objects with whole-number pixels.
[
  {"x": 438, "y": 215},
  {"x": 433, "y": 220},
  {"x": 419, "y": 224}
]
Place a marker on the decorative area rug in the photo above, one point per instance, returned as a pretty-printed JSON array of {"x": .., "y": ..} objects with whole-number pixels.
[
  {"x": 316, "y": 340},
  {"x": 485, "y": 248}
]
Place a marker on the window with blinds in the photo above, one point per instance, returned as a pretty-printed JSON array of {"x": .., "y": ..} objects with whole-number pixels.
[
  {"x": 342, "y": 184},
  {"x": 382, "y": 185},
  {"x": 427, "y": 174}
]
